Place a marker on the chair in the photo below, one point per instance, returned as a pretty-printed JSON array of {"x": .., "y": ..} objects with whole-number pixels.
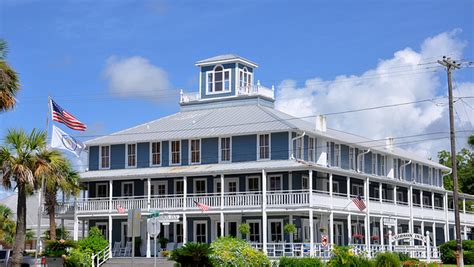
[
  {"x": 127, "y": 251},
  {"x": 170, "y": 246},
  {"x": 178, "y": 245},
  {"x": 116, "y": 249}
]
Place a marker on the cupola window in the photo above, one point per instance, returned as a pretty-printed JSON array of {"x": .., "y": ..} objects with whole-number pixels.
[
  {"x": 218, "y": 80},
  {"x": 245, "y": 78}
]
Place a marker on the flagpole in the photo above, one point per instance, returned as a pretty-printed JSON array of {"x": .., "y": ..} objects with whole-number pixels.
[{"x": 40, "y": 195}]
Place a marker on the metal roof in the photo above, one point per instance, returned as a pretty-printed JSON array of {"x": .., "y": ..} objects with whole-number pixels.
[
  {"x": 194, "y": 170},
  {"x": 241, "y": 119},
  {"x": 225, "y": 58}
]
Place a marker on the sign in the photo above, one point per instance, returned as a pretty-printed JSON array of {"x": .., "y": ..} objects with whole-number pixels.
[
  {"x": 409, "y": 236},
  {"x": 324, "y": 240},
  {"x": 133, "y": 222},
  {"x": 154, "y": 214},
  {"x": 153, "y": 227},
  {"x": 389, "y": 221}
]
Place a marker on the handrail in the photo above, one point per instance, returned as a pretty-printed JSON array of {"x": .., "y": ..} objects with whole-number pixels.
[{"x": 101, "y": 256}]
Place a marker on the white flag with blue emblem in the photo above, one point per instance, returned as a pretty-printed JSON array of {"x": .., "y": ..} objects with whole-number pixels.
[{"x": 62, "y": 140}]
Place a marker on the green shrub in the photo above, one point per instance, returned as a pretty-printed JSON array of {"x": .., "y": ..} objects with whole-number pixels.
[
  {"x": 403, "y": 256},
  {"x": 78, "y": 258},
  {"x": 448, "y": 249},
  {"x": 300, "y": 262},
  {"x": 387, "y": 259},
  {"x": 94, "y": 242},
  {"x": 244, "y": 228},
  {"x": 230, "y": 251},
  {"x": 410, "y": 263},
  {"x": 192, "y": 254},
  {"x": 57, "y": 248},
  {"x": 290, "y": 228},
  {"x": 343, "y": 256}
]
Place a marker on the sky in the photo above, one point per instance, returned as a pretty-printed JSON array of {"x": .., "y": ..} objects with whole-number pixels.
[{"x": 116, "y": 64}]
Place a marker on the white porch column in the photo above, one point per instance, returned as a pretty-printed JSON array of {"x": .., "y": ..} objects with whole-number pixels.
[
  {"x": 348, "y": 186},
  {"x": 465, "y": 232},
  {"x": 421, "y": 198},
  {"x": 148, "y": 186},
  {"x": 148, "y": 245},
  {"x": 310, "y": 185},
  {"x": 311, "y": 232},
  {"x": 380, "y": 193},
  {"x": 434, "y": 234},
  {"x": 185, "y": 228},
  {"x": 395, "y": 195},
  {"x": 381, "y": 237},
  {"x": 410, "y": 202},
  {"x": 222, "y": 206},
  {"x": 367, "y": 214},
  {"x": 290, "y": 220},
  {"x": 432, "y": 201},
  {"x": 446, "y": 232},
  {"x": 330, "y": 184},
  {"x": 349, "y": 229},
  {"x": 290, "y": 181},
  {"x": 446, "y": 217},
  {"x": 76, "y": 222},
  {"x": 422, "y": 227},
  {"x": 264, "y": 211},
  {"x": 185, "y": 191},
  {"x": 331, "y": 228},
  {"x": 111, "y": 192},
  {"x": 110, "y": 235},
  {"x": 395, "y": 228},
  {"x": 464, "y": 205}
]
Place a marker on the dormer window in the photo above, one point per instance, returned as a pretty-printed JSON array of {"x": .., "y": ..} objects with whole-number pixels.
[
  {"x": 245, "y": 78},
  {"x": 218, "y": 80}
]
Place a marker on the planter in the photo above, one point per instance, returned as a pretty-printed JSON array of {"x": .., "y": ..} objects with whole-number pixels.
[{"x": 55, "y": 261}]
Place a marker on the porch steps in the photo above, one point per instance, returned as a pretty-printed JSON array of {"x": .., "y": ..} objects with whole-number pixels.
[{"x": 139, "y": 261}]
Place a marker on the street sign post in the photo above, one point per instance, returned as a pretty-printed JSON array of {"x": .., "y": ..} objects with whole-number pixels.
[
  {"x": 154, "y": 229},
  {"x": 133, "y": 224}
]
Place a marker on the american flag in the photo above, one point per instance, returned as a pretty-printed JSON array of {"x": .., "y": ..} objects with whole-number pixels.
[
  {"x": 62, "y": 116},
  {"x": 202, "y": 206},
  {"x": 359, "y": 202},
  {"x": 120, "y": 209}
]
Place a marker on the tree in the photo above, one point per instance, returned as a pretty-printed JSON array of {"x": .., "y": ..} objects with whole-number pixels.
[
  {"x": 7, "y": 225},
  {"x": 23, "y": 161},
  {"x": 62, "y": 178},
  {"x": 9, "y": 82},
  {"x": 465, "y": 160}
]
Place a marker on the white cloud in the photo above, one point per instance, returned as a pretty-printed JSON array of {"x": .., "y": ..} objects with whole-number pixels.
[
  {"x": 137, "y": 77},
  {"x": 403, "y": 78}
]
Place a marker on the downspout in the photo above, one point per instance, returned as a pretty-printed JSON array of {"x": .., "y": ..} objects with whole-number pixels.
[
  {"x": 361, "y": 154},
  {"x": 292, "y": 141},
  {"x": 403, "y": 168}
]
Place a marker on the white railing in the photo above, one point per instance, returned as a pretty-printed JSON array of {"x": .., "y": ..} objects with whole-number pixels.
[
  {"x": 210, "y": 199},
  {"x": 189, "y": 97},
  {"x": 93, "y": 204},
  {"x": 166, "y": 202},
  {"x": 288, "y": 198},
  {"x": 253, "y": 199},
  {"x": 277, "y": 250},
  {"x": 256, "y": 90},
  {"x": 129, "y": 203},
  {"x": 101, "y": 257}
]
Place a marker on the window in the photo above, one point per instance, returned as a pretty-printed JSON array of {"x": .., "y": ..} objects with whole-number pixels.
[
  {"x": 311, "y": 149},
  {"x": 337, "y": 155},
  {"x": 200, "y": 186},
  {"x": 131, "y": 155},
  {"x": 127, "y": 189},
  {"x": 275, "y": 182},
  {"x": 218, "y": 80},
  {"x": 299, "y": 148},
  {"x": 195, "y": 151},
  {"x": 374, "y": 164},
  {"x": 357, "y": 190},
  {"x": 175, "y": 152},
  {"x": 276, "y": 230},
  {"x": 328, "y": 154},
  {"x": 179, "y": 233},
  {"x": 430, "y": 173},
  {"x": 413, "y": 171},
  {"x": 382, "y": 165},
  {"x": 436, "y": 177},
  {"x": 218, "y": 187},
  {"x": 225, "y": 149},
  {"x": 253, "y": 183},
  {"x": 156, "y": 153},
  {"x": 179, "y": 187},
  {"x": 351, "y": 158},
  {"x": 254, "y": 235},
  {"x": 200, "y": 229},
  {"x": 420, "y": 173},
  {"x": 361, "y": 161},
  {"x": 396, "y": 173},
  {"x": 245, "y": 78},
  {"x": 102, "y": 190},
  {"x": 264, "y": 146},
  {"x": 105, "y": 157},
  {"x": 304, "y": 182},
  {"x": 159, "y": 188}
]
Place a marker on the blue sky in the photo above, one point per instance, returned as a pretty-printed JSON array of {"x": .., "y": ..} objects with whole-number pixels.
[{"x": 64, "y": 49}]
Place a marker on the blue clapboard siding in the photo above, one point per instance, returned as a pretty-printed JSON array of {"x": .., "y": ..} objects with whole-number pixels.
[
  {"x": 143, "y": 155},
  {"x": 93, "y": 158},
  {"x": 116, "y": 229},
  {"x": 344, "y": 157},
  {"x": 244, "y": 148},
  {"x": 117, "y": 156},
  {"x": 185, "y": 145},
  {"x": 279, "y": 145},
  {"x": 210, "y": 150},
  {"x": 138, "y": 187},
  {"x": 165, "y": 153},
  {"x": 233, "y": 80}
]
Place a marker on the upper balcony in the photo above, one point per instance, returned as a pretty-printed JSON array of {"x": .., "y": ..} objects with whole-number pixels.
[{"x": 251, "y": 90}]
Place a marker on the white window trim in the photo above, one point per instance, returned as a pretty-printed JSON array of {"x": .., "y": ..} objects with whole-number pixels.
[
  {"x": 250, "y": 74},
  {"x": 195, "y": 230},
  {"x": 374, "y": 167},
  {"x": 123, "y": 187},
  {"x": 100, "y": 157},
  {"x": 126, "y": 155},
  {"x": 302, "y": 178},
  {"x": 106, "y": 228},
  {"x": 97, "y": 189},
  {"x": 269, "y": 147},
  {"x": 354, "y": 159},
  {"x": 190, "y": 152},
  {"x": 247, "y": 183},
  {"x": 275, "y": 175},
  {"x": 220, "y": 150},
  {"x": 175, "y": 186},
  {"x": 175, "y": 234},
  {"x": 160, "y": 182},
  {"x": 205, "y": 185},
  {"x": 313, "y": 154},
  {"x": 224, "y": 70},
  {"x": 354, "y": 185},
  {"x": 299, "y": 149},
  {"x": 329, "y": 159},
  {"x": 383, "y": 165},
  {"x": 259, "y": 229},
  {"x": 151, "y": 154},
  {"x": 171, "y": 153},
  {"x": 269, "y": 229},
  {"x": 338, "y": 163}
]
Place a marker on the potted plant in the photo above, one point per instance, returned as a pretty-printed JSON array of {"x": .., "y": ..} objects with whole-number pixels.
[
  {"x": 56, "y": 250},
  {"x": 290, "y": 228},
  {"x": 244, "y": 229},
  {"x": 163, "y": 242},
  {"x": 358, "y": 237},
  {"x": 322, "y": 230}
]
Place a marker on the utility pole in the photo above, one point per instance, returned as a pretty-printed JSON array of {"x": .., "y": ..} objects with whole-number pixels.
[{"x": 451, "y": 65}]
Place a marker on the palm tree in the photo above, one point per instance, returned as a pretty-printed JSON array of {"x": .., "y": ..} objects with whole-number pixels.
[
  {"x": 7, "y": 225},
  {"x": 63, "y": 178},
  {"x": 23, "y": 161},
  {"x": 9, "y": 83}
]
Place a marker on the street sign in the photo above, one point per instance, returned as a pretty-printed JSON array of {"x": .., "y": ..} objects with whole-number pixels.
[
  {"x": 324, "y": 240},
  {"x": 154, "y": 214},
  {"x": 133, "y": 222},
  {"x": 389, "y": 221},
  {"x": 153, "y": 227}
]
